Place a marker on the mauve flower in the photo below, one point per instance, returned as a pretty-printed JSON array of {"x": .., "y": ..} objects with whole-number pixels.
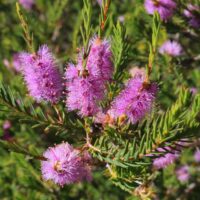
[
  {"x": 83, "y": 93},
  {"x": 99, "y": 62},
  {"x": 7, "y": 125},
  {"x": 27, "y": 4},
  {"x": 65, "y": 165},
  {"x": 193, "y": 90},
  {"x": 86, "y": 87},
  {"x": 182, "y": 173},
  {"x": 41, "y": 75},
  {"x": 193, "y": 14},
  {"x": 135, "y": 101},
  {"x": 164, "y": 7},
  {"x": 197, "y": 155},
  {"x": 171, "y": 48},
  {"x": 169, "y": 156}
]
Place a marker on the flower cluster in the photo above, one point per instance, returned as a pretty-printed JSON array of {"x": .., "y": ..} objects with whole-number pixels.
[
  {"x": 135, "y": 100},
  {"x": 193, "y": 14},
  {"x": 85, "y": 88},
  {"x": 65, "y": 165},
  {"x": 171, "y": 48},
  {"x": 86, "y": 85},
  {"x": 164, "y": 7},
  {"x": 43, "y": 79}
]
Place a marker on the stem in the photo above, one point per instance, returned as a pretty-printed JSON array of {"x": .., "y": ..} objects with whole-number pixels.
[
  {"x": 153, "y": 46},
  {"x": 88, "y": 143},
  {"x": 150, "y": 66},
  {"x": 105, "y": 16},
  {"x": 60, "y": 120},
  {"x": 112, "y": 173},
  {"x": 88, "y": 139},
  {"x": 28, "y": 38}
]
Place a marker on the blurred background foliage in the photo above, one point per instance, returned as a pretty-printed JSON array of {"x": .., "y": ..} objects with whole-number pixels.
[{"x": 57, "y": 23}]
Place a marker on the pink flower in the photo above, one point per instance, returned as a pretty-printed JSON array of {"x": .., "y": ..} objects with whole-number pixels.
[
  {"x": 65, "y": 165},
  {"x": 193, "y": 90},
  {"x": 99, "y": 63},
  {"x": 86, "y": 87},
  {"x": 83, "y": 93},
  {"x": 41, "y": 75},
  {"x": 166, "y": 159},
  {"x": 7, "y": 125},
  {"x": 171, "y": 48},
  {"x": 197, "y": 155},
  {"x": 182, "y": 173},
  {"x": 164, "y": 7},
  {"x": 135, "y": 101},
  {"x": 169, "y": 154},
  {"x": 27, "y": 4},
  {"x": 193, "y": 14}
]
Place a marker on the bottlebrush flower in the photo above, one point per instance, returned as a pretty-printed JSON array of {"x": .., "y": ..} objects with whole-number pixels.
[
  {"x": 85, "y": 87},
  {"x": 99, "y": 64},
  {"x": 43, "y": 79},
  {"x": 83, "y": 93},
  {"x": 134, "y": 101},
  {"x": 182, "y": 173},
  {"x": 65, "y": 165},
  {"x": 193, "y": 14},
  {"x": 169, "y": 157},
  {"x": 197, "y": 155},
  {"x": 27, "y": 4},
  {"x": 172, "y": 48},
  {"x": 164, "y": 7}
]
